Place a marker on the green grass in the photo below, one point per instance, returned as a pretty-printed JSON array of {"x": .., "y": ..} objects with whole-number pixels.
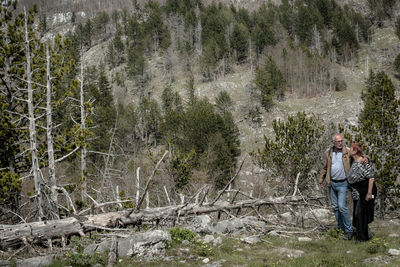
[{"x": 325, "y": 249}]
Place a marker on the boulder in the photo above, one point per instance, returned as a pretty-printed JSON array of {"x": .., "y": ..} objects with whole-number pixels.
[
  {"x": 36, "y": 261},
  {"x": 251, "y": 240},
  {"x": 144, "y": 244},
  {"x": 235, "y": 226},
  {"x": 217, "y": 241},
  {"x": 208, "y": 239},
  {"x": 304, "y": 239},
  {"x": 324, "y": 216},
  {"x": 147, "y": 244},
  {"x": 291, "y": 253},
  {"x": 394, "y": 252},
  {"x": 202, "y": 224}
]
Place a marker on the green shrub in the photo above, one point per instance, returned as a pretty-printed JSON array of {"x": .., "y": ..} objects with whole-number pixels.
[
  {"x": 179, "y": 234},
  {"x": 376, "y": 245},
  {"x": 335, "y": 233}
]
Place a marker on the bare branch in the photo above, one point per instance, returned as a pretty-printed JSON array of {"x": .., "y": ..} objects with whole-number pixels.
[
  {"x": 148, "y": 183},
  {"x": 227, "y": 185}
]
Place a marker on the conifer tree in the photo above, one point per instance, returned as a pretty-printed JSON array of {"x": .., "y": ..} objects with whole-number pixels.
[
  {"x": 378, "y": 132},
  {"x": 270, "y": 82},
  {"x": 293, "y": 151}
]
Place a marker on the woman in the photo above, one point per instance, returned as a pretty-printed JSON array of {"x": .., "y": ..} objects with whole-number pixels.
[{"x": 363, "y": 192}]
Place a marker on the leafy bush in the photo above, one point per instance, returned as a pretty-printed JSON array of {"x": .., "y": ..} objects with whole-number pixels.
[
  {"x": 376, "y": 245},
  {"x": 179, "y": 234},
  {"x": 83, "y": 260}
]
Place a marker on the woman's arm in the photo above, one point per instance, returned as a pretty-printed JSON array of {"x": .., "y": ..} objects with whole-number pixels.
[{"x": 369, "y": 194}]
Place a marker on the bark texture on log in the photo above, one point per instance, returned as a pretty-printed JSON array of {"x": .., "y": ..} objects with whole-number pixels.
[{"x": 14, "y": 235}]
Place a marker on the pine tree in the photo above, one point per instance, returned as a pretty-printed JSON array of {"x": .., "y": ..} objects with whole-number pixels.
[
  {"x": 294, "y": 150},
  {"x": 270, "y": 82},
  {"x": 379, "y": 134}
]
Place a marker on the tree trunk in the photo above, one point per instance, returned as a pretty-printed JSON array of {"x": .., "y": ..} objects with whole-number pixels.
[
  {"x": 50, "y": 143},
  {"x": 32, "y": 125},
  {"x": 36, "y": 232},
  {"x": 83, "y": 128}
]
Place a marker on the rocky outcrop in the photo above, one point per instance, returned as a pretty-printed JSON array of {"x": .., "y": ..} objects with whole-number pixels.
[
  {"x": 147, "y": 244},
  {"x": 204, "y": 225}
]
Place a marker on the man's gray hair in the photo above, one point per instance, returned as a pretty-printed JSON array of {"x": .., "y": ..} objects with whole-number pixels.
[{"x": 336, "y": 134}]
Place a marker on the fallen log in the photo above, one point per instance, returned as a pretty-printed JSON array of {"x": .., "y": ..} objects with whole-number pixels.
[{"x": 36, "y": 232}]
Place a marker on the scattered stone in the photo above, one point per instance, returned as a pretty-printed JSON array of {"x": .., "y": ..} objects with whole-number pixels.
[
  {"x": 147, "y": 244},
  {"x": 206, "y": 260},
  {"x": 254, "y": 222},
  {"x": 185, "y": 242},
  {"x": 208, "y": 239},
  {"x": 274, "y": 233},
  {"x": 4, "y": 263},
  {"x": 291, "y": 253},
  {"x": 239, "y": 249},
  {"x": 373, "y": 260},
  {"x": 36, "y": 261},
  {"x": 394, "y": 222},
  {"x": 202, "y": 224},
  {"x": 251, "y": 240},
  {"x": 215, "y": 264},
  {"x": 322, "y": 215},
  {"x": 235, "y": 226},
  {"x": 182, "y": 261},
  {"x": 349, "y": 252},
  {"x": 394, "y": 235},
  {"x": 217, "y": 241},
  {"x": 304, "y": 239},
  {"x": 394, "y": 252},
  {"x": 289, "y": 217}
]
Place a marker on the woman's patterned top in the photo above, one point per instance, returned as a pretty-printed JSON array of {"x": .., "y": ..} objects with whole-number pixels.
[{"x": 359, "y": 172}]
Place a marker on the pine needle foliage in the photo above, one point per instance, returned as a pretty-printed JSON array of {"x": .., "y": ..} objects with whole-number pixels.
[
  {"x": 378, "y": 132},
  {"x": 294, "y": 150}
]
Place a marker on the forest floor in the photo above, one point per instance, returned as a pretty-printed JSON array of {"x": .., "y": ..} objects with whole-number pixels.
[{"x": 312, "y": 248}]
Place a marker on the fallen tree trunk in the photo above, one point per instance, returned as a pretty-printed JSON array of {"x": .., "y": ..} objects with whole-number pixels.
[{"x": 35, "y": 232}]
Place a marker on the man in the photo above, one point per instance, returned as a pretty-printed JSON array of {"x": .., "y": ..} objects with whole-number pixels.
[{"x": 335, "y": 170}]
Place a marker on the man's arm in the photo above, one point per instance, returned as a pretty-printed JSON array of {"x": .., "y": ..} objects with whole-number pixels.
[{"x": 323, "y": 172}]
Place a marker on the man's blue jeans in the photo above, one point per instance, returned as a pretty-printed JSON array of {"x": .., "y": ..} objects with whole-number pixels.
[{"x": 338, "y": 193}]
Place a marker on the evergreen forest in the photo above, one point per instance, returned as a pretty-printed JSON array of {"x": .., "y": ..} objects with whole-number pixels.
[{"x": 101, "y": 103}]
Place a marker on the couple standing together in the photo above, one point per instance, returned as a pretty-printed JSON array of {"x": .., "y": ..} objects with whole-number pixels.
[{"x": 349, "y": 168}]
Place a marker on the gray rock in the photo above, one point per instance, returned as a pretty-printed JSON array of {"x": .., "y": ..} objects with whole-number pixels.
[
  {"x": 289, "y": 217},
  {"x": 208, "y": 239},
  {"x": 235, "y": 226},
  {"x": 254, "y": 222},
  {"x": 36, "y": 261},
  {"x": 390, "y": 235},
  {"x": 304, "y": 239},
  {"x": 147, "y": 244},
  {"x": 202, "y": 224},
  {"x": 394, "y": 252},
  {"x": 206, "y": 260},
  {"x": 291, "y": 253},
  {"x": 373, "y": 260},
  {"x": 4, "y": 263},
  {"x": 215, "y": 264},
  {"x": 322, "y": 215},
  {"x": 103, "y": 247},
  {"x": 217, "y": 241},
  {"x": 251, "y": 240},
  {"x": 185, "y": 242}
]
